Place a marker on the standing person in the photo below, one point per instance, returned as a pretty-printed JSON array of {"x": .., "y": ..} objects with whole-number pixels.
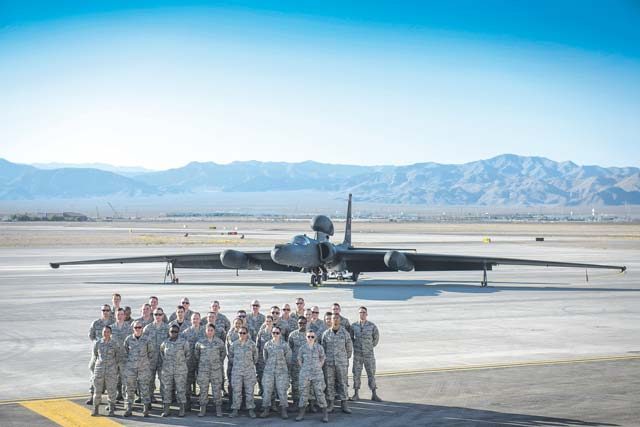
[
  {"x": 221, "y": 332},
  {"x": 192, "y": 335},
  {"x": 277, "y": 321},
  {"x": 221, "y": 319},
  {"x": 338, "y": 349},
  {"x": 146, "y": 316},
  {"x": 344, "y": 322},
  {"x": 232, "y": 336},
  {"x": 317, "y": 324},
  {"x": 326, "y": 319},
  {"x": 116, "y": 299},
  {"x": 255, "y": 320},
  {"x": 365, "y": 338},
  {"x": 157, "y": 332},
  {"x": 297, "y": 339},
  {"x": 277, "y": 358},
  {"x": 154, "y": 302},
  {"x": 139, "y": 351},
  {"x": 119, "y": 331},
  {"x": 300, "y": 310},
  {"x": 127, "y": 314},
  {"x": 264, "y": 335},
  {"x": 210, "y": 353},
  {"x": 308, "y": 314},
  {"x": 244, "y": 354},
  {"x": 311, "y": 358},
  {"x": 184, "y": 302},
  {"x": 174, "y": 352},
  {"x": 292, "y": 322},
  {"x": 106, "y": 353},
  {"x": 180, "y": 321},
  {"x": 95, "y": 334}
]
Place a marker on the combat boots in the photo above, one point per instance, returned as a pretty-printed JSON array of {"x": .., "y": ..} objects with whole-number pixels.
[
  {"x": 330, "y": 406},
  {"x": 127, "y": 411},
  {"x": 146, "y": 409},
  {"x": 374, "y": 396},
  {"x": 234, "y": 413},
  {"x": 219, "y": 410},
  {"x": 165, "y": 410},
  {"x": 112, "y": 409},
  {"x": 203, "y": 410},
  {"x": 252, "y": 413},
  {"x": 181, "y": 411},
  {"x": 325, "y": 415},
  {"x": 300, "y": 416},
  {"x": 283, "y": 412},
  {"x": 264, "y": 413},
  {"x": 356, "y": 396},
  {"x": 188, "y": 404},
  {"x": 89, "y": 400},
  {"x": 95, "y": 411},
  {"x": 345, "y": 407}
]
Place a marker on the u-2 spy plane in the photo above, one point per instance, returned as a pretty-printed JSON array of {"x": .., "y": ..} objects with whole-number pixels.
[{"x": 325, "y": 260}]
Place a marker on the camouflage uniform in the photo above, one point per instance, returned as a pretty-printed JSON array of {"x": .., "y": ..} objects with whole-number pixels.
[
  {"x": 210, "y": 356},
  {"x": 296, "y": 340},
  {"x": 338, "y": 349},
  {"x": 365, "y": 338},
  {"x": 105, "y": 373},
  {"x": 344, "y": 322},
  {"x": 254, "y": 323},
  {"x": 292, "y": 325},
  {"x": 118, "y": 334},
  {"x": 232, "y": 337},
  {"x": 192, "y": 336},
  {"x": 318, "y": 327},
  {"x": 136, "y": 372},
  {"x": 174, "y": 355},
  {"x": 95, "y": 334},
  {"x": 157, "y": 334},
  {"x": 222, "y": 322},
  {"x": 264, "y": 335},
  {"x": 284, "y": 327},
  {"x": 276, "y": 357},
  {"x": 244, "y": 356},
  {"x": 311, "y": 376}
]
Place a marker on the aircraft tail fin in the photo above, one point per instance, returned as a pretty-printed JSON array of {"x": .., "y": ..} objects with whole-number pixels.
[{"x": 347, "y": 230}]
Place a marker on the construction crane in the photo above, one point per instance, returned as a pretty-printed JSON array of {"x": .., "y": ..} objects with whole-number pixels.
[{"x": 115, "y": 212}]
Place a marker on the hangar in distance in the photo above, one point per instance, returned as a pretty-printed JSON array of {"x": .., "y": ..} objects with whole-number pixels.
[{"x": 325, "y": 260}]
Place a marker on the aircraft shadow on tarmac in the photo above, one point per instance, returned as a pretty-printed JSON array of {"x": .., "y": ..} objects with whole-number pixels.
[
  {"x": 366, "y": 413},
  {"x": 401, "y": 290}
]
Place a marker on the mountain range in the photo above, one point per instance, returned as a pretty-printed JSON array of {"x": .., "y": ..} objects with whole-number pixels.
[{"x": 505, "y": 180}]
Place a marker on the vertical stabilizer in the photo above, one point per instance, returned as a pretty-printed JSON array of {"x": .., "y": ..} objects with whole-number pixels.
[{"x": 347, "y": 230}]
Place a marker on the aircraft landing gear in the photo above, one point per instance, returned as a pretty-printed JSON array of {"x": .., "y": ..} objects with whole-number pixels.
[
  {"x": 484, "y": 277},
  {"x": 354, "y": 276},
  {"x": 171, "y": 273},
  {"x": 317, "y": 276}
]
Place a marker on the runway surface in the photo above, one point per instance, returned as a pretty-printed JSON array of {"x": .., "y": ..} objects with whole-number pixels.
[{"x": 546, "y": 347}]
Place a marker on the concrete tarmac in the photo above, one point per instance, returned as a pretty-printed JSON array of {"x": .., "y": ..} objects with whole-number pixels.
[{"x": 428, "y": 321}]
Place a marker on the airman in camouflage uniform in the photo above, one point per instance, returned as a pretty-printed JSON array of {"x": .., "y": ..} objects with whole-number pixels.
[
  {"x": 297, "y": 339},
  {"x": 146, "y": 317},
  {"x": 311, "y": 357},
  {"x": 95, "y": 333},
  {"x": 154, "y": 302},
  {"x": 106, "y": 353},
  {"x": 174, "y": 352},
  {"x": 116, "y": 299},
  {"x": 292, "y": 322},
  {"x": 232, "y": 336},
  {"x": 221, "y": 319},
  {"x": 157, "y": 332},
  {"x": 277, "y": 321},
  {"x": 344, "y": 322},
  {"x": 210, "y": 353},
  {"x": 119, "y": 331},
  {"x": 195, "y": 333},
  {"x": 365, "y": 338},
  {"x": 263, "y": 336},
  {"x": 317, "y": 324},
  {"x": 255, "y": 320},
  {"x": 244, "y": 355},
  {"x": 300, "y": 310},
  {"x": 180, "y": 321},
  {"x": 338, "y": 349},
  {"x": 277, "y": 358},
  {"x": 184, "y": 302},
  {"x": 139, "y": 351}
]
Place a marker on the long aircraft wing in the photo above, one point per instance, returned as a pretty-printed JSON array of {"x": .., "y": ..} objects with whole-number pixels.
[
  {"x": 373, "y": 260},
  {"x": 209, "y": 260}
]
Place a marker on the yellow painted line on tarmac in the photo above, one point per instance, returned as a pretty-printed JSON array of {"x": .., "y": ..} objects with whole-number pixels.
[{"x": 67, "y": 414}]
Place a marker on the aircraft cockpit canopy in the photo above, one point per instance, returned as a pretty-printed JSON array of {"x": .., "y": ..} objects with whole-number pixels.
[{"x": 301, "y": 240}]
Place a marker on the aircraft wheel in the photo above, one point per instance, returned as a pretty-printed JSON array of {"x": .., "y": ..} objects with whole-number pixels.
[
  {"x": 354, "y": 276},
  {"x": 314, "y": 281}
]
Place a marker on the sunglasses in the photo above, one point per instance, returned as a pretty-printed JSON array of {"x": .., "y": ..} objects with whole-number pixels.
[
  {"x": 311, "y": 336},
  {"x": 275, "y": 333},
  {"x": 185, "y": 302},
  {"x": 286, "y": 309},
  {"x": 106, "y": 310},
  {"x": 137, "y": 327},
  {"x": 242, "y": 317},
  {"x": 173, "y": 332},
  {"x": 255, "y": 305},
  {"x": 301, "y": 302},
  {"x": 275, "y": 312},
  {"x": 242, "y": 333},
  {"x": 315, "y": 312},
  {"x": 158, "y": 314}
]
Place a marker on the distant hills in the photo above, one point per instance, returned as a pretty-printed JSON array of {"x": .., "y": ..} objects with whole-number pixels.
[{"x": 505, "y": 180}]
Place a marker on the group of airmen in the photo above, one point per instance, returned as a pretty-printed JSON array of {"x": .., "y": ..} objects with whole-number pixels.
[{"x": 294, "y": 349}]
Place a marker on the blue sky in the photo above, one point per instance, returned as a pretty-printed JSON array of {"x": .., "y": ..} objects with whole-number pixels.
[{"x": 166, "y": 83}]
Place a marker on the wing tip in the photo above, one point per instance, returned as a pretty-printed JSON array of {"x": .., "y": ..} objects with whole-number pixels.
[
  {"x": 623, "y": 269},
  {"x": 54, "y": 265}
]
